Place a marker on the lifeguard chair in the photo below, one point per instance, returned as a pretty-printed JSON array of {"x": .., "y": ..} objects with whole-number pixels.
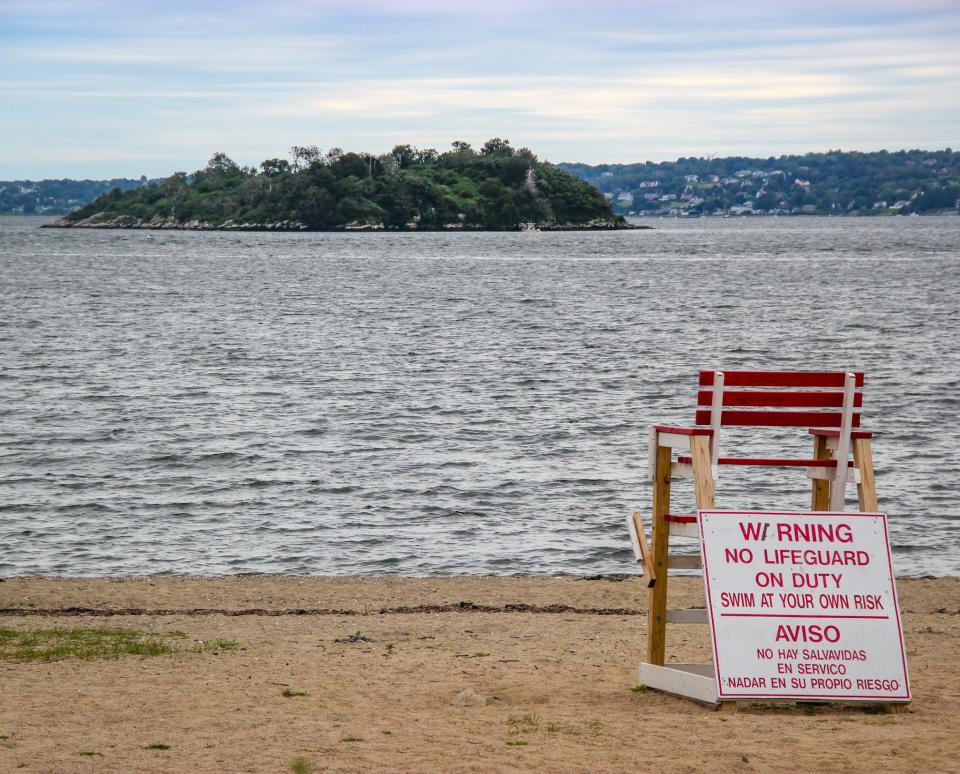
[{"x": 827, "y": 403}]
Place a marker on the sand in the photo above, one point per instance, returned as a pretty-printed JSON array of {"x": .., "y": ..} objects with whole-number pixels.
[{"x": 554, "y": 658}]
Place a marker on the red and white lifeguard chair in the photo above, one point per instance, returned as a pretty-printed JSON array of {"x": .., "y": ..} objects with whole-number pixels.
[{"x": 827, "y": 403}]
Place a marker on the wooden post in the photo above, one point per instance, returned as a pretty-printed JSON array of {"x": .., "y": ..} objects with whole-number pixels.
[
  {"x": 867, "y": 488},
  {"x": 657, "y": 607},
  {"x": 649, "y": 570},
  {"x": 702, "y": 471},
  {"x": 820, "y": 501}
]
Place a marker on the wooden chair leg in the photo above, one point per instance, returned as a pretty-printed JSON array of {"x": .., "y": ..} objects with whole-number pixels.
[
  {"x": 657, "y": 607},
  {"x": 820, "y": 500},
  {"x": 867, "y": 488},
  {"x": 702, "y": 471}
]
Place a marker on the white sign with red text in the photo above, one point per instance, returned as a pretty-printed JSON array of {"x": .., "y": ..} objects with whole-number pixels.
[{"x": 803, "y": 606}]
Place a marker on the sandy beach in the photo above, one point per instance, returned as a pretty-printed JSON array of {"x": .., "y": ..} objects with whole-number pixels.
[{"x": 370, "y": 668}]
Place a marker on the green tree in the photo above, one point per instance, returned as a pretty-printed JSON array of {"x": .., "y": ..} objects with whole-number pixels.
[
  {"x": 495, "y": 145},
  {"x": 304, "y": 155},
  {"x": 404, "y": 155},
  {"x": 274, "y": 167},
  {"x": 222, "y": 164}
]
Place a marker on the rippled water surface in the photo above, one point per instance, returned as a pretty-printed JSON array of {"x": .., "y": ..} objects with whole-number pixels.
[{"x": 208, "y": 403}]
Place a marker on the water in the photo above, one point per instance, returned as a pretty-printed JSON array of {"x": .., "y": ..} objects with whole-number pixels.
[{"x": 214, "y": 403}]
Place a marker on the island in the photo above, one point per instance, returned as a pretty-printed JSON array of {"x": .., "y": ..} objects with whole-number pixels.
[{"x": 495, "y": 188}]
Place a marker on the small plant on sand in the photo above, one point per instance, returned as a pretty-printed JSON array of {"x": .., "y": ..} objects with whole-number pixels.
[
  {"x": 301, "y": 766},
  {"x": 522, "y": 724},
  {"x": 389, "y": 647},
  {"x": 157, "y": 746},
  {"x": 289, "y": 694},
  {"x": 517, "y": 743},
  {"x": 352, "y": 739},
  {"x": 640, "y": 688},
  {"x": 88, "y": 753}
]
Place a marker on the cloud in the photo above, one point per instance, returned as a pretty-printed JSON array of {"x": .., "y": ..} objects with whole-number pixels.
[{"x": 605, "y": 82}]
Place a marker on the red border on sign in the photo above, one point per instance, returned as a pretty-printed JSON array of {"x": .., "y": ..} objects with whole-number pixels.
[{"x": 833, "y": 696}]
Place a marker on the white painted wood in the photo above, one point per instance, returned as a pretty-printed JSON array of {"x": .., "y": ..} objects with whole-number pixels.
[
  {"x": 652, "y": 453},
  {"x": 688, "y": 616},
  {"x": 694, "y": 681},
  {"x": 838, "y": 490},
  {"x": 635, "y": 541},
  {"x": 684, "y": 562},
  {"x": 684, "y": 530},
  {"x": 681, "y": 470},
  {"x": 828, "y": 474},
  {"x": 716, "y": 416},
  {"x": 674, "y": 441}
]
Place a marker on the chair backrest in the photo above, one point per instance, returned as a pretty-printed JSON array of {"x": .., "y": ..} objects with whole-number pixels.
[
  {"x": 827, "y": 399},
  {"x": 785, "y": 398}
]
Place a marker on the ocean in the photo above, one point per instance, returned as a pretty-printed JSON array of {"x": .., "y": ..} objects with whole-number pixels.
[{"x": 209, "y": 403}]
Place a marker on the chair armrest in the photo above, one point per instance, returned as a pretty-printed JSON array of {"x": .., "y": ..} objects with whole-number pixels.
[
  {"x": 832, "y": 432},
  {"x": 683, "y": 430}
]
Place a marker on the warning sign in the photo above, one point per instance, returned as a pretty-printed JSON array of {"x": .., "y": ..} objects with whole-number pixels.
[{"x": 803, "y": 606}]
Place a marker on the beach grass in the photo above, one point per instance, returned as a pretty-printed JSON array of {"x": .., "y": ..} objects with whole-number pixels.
[
  {"x": 301, "y": 766},
  {"x": 522, "y": 724},
  {"x": 60, "y": 642}
]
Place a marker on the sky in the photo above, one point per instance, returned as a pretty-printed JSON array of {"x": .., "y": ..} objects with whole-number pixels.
[{"x": 119, "y": 89}]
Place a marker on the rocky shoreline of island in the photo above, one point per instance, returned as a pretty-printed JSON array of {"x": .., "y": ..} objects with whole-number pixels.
[{"x": 104, "y": 222}]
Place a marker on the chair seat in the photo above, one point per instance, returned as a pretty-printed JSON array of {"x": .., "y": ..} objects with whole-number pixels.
[{"x": 686, "y": 459}]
